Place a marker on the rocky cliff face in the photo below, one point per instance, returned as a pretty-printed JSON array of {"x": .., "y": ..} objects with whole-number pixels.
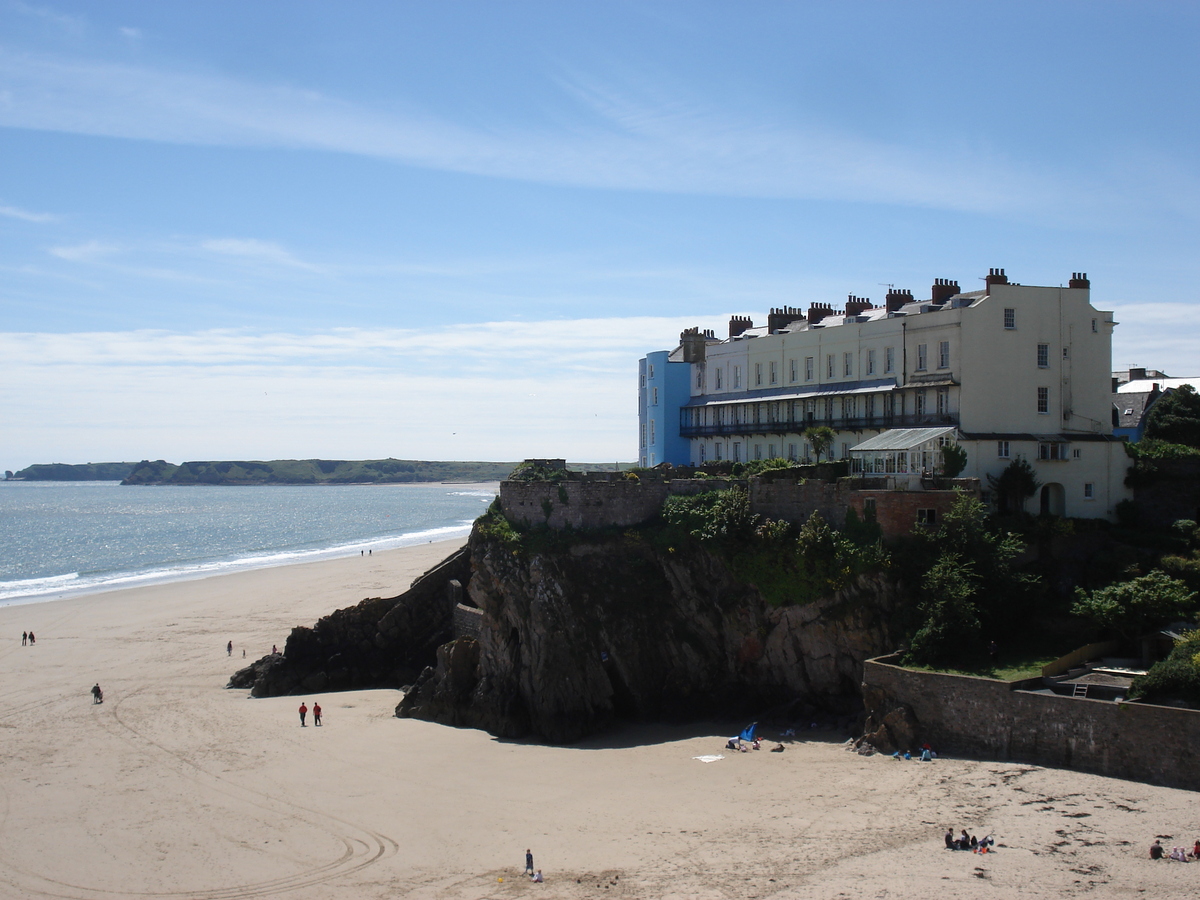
[
  {"x": 613, "y": 628},
  {"x": 571, "y": 639}
]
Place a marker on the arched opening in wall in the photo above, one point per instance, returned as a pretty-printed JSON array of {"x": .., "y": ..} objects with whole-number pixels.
[
  {"x": 624, "y": 704},
  {"x": 1053, "y": 500}
]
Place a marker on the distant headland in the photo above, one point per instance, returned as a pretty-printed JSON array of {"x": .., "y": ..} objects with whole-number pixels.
[{"x": 283, "y": 471}]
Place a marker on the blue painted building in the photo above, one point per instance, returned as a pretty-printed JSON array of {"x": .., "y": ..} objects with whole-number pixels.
[{"x": 662, "y": 390}]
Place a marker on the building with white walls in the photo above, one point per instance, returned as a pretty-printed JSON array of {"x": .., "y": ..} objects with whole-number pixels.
[{"x": 1016, "y": 370}]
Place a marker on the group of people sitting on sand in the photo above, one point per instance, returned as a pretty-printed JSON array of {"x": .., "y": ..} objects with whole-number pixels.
[
  {"x": 927, "y": 754},
  {"x": 969, "y": 842},
  {"x": 1179, "y": 854}
]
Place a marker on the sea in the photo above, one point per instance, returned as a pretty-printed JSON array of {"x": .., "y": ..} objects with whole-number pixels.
[{"x": 60, "y": 539}]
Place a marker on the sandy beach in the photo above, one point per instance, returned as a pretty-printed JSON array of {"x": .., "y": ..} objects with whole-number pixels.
[{"x": 176, "y": 787}]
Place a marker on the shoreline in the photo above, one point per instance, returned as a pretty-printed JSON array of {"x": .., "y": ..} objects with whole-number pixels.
[{"x": 178, "y": 786}]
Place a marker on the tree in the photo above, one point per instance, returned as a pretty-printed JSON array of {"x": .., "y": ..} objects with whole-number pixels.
[
  {"x": 1130, "y": 608},
  {"x": 821, "y": 437},
  {"x": 954, "y": 460},
  {"x": 951, "y": 626},
  {"x": 1175, "y": 417},
  {"x": 1016, "y": 484}
]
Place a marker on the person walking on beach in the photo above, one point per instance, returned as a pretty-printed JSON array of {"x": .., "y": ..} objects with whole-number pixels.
[
  {"x": 528, "y": 862},
  {"x": 32, "y": 639},
  {"x": 316, "y": 713},
  {"x": 229, "y": 649},
  {"x": 303, "y": 713},
  {"x": 97, "y": 694},
  {"x": 24, "y": 638}
]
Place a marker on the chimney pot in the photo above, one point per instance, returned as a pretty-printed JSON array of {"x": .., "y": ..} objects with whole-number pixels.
[{"x": 738, "y": 324}]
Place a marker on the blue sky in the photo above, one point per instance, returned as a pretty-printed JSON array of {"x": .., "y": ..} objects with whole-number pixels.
[{"x": 448, "y": 230}]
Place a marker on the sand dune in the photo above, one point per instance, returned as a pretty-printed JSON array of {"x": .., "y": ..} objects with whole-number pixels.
[{"x": 176, "y": 787}]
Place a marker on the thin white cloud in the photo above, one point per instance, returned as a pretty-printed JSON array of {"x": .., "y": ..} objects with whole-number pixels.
[
  {"x": 15, "y": 212},
  {"x": 132, "y": 33},
  {"x": 615, "y": 140},
  {"x": 261, "y": 251},
  {"x": 89, "y": 251}
]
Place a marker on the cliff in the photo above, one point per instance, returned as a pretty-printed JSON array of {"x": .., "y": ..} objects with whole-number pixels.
[{"x": 594, "y": 628}]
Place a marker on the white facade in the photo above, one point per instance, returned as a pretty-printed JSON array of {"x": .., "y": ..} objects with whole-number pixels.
[{"x": 1018, "y": 370}]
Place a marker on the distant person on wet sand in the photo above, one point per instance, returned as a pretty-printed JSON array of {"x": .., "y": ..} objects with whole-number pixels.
[
  {"x": 528, "y": 862},
  {"x": 1156, "y": 850},
  {"x": 97, "y": 694},
  {"x": 303, "y": 713},
  {"x": 32, "y": 639},
  {"x": 316, "y": 713},
  {"x": 229, "y": 649},
  {"x": 24, "y": 638},
  {"x": 537, "y": 879}
]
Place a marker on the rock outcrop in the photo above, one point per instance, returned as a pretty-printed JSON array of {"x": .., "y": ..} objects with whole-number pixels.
[
  {"x": 596, "y": 628},
  {"x": 610, "y": 628},
  {"x": 377, "y": 643}
]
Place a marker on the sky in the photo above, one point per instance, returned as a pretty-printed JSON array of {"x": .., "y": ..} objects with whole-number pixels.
[{"x": 449, "y": 230}]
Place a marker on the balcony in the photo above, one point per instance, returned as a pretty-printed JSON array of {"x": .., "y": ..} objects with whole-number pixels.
[{"x": 795, "y": 426}]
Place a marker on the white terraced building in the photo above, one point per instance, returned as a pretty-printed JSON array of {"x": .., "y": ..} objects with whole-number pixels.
[{"x": 1011, "y": 370}]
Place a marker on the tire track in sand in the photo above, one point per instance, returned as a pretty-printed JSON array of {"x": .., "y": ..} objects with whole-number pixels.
[{"x": 362, "y": 847}]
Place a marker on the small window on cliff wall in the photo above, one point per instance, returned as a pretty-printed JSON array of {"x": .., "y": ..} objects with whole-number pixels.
[{"x": 926, "y": 516}]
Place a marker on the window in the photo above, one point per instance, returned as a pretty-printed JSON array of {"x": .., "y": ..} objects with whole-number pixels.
[
  {"x": 654, "y": 396},
  {"x": 920, "y": 397},
  {"x": 829, "y": 365},
  {"x": 1043, "y": 400},
  {"x": 870, "y": 362},
  {"x": 770, "y": 451},
  {"x": 1066, "y": 353},
  {"x": 643, "y": 435},
  {"x": 869, "y": 507},
  {"x": 1002, "y": 449},
  {"x": 702, "y": 453},
  {"x": 927, "y": 517},
  {"x": 718, "y": 379},
  {"x": 737, "y": 377},
  {"x": 737, "y": 451},
  {"x": 870, "y": 407},
  {"x": 808, "y": 368},
  {"x": 1010, "y": 318},
  {"x": 922, "y": 357},
  {"x": 774, "y": 373},
  {"x": 943, "y": 401},
  {"x": 1076, "y": 454},
  {"x": 1094, "y": 328},
  {"x": 849, "y": 407},
  {"x": 757, "y": 374},
  {"x": 651, "y": 368},
  {"x": 889, "y": 359},
  {"x": 944, "y": 355},
  {"x": 847, "y": 364},
  {"x": 652, "y": 431},
  {"x": 828, "y": 409},
  {"x": 1089, "y": 491},
  {"x": 845, "y": 450},
  {"x": 718, "y": 448},
  {"x": 1043, "y": 356},
  {"x": 807, "y": 450},
  {"x": 758, "y": 451},
  {"x": 699, "y": 377},
  {"x": 643, "y": 379},
  {"x": 792, "y": 370},
  {"x": 791, "y": 451},
  {"x": 1053, "y": 450}
]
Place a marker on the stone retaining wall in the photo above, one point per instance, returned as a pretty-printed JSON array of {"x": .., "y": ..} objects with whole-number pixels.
[{"x": 959, "y": 714}]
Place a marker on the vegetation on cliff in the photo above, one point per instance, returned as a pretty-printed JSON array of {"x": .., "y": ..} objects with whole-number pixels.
[
  {"x": 107, "y": 471},
  {"x": 315, "y": 471}
]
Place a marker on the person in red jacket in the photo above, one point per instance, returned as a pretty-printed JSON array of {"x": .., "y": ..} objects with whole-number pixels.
[
  {"x": 316, "y": 713},
  {"x": 303, "y": 713}
]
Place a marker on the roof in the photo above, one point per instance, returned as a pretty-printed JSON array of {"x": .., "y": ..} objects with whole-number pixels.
[
  {"x": 1145, "y": 385},
  {"x": 1131, "y": 407},
  {"x": 834, "y": 388},
  {"x": 902, "y": 439}
]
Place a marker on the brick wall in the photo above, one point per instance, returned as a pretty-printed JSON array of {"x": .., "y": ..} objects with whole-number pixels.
[
  {"x": 897, "y": 511},
  {"x": 959, "y": 714}
]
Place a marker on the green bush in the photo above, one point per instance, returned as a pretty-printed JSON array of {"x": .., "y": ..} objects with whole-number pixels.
[
  {"x": 1175, "y": 678},
  {"x": 1130, "y": 608}
]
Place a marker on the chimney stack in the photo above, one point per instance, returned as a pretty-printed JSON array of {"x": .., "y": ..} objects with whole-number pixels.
[
  {"x": 818, "y": 311},
  {"x": 996, "y": 276},
  {"x": 738, "y": 324},
  {"x": 856, "y": 305},
  {"x": 1137, "y": 374},
  {"x": 782, "y": 317},
  {"x": 896, "y": 299},
  {"x": 693, "y": 343},
  {"x": 1079, "y": 280},
  {"x": 943, "y": 290}
]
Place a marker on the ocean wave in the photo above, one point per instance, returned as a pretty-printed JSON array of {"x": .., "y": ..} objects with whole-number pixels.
[{"x": 55, "y": 587}]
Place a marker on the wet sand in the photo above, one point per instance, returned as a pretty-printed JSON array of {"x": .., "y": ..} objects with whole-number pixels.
[{"x": 175, "y": 787}]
